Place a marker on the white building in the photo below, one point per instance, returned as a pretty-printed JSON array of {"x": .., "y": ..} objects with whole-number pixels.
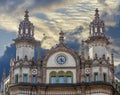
[{"x": 62, "y": 71}]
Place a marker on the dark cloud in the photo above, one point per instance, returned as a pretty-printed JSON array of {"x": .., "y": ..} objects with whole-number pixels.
[
  {"x": 73, "y": 33},
  {"x": 5, "y": 59},
  {"x": 13, "y": 5}
]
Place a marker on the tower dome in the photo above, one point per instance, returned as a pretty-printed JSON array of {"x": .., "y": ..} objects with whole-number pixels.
[
  {"x": 97, "y": 27},
  {"x": 26, "y": 28}
]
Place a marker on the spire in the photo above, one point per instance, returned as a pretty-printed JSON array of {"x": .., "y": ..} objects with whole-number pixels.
[
  {"x": 97, "y": 27},
  {"x": 61, "y": 38},
  {"x": 26, "y": 28},
  {"x": 96, "y": 13},
  {"x": 26, "y": 15}
]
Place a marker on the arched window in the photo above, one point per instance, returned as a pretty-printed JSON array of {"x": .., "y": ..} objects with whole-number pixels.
[
  {"x": 69, "y": 77},
  {"x": 53, "y": 77},
  {"x": 61, "y": 77}
]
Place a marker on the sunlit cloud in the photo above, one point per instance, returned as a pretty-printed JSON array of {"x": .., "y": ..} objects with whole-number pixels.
[{"x": 51, "y": 16}]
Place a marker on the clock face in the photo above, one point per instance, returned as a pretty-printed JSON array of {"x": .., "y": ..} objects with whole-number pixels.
[
  {"x": 61, "y": 59},
  {"x": 34, "y": 71}
]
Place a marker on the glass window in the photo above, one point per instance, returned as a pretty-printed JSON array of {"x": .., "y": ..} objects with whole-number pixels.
[
  {"x": 16, "y": 78},
  {"x": 104, "y": 77},
  {"x": 69, "y": 79},
  {"x": 61, "y": 79},
  {"x": 87, "y": 78},
  {"x": 61, "y": 75},
  {"x": 25, "y": 78},
  {"x": 53, "y": 79},
  {"x": 95, "y": 29},
  {"x": 95, "y": 76},
  {"x": 34, "y": 79}
]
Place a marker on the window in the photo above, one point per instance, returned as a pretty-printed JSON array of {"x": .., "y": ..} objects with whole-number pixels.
[
  {"x": 95, "y": 76},
  {"x": 16, "y": 78},
  {"x": 69, "y": 77},
  {"x": 53, "y": 77},
  {"x": 25, "y": 78},
  {"x": 61, "y": 77},
  {"x": 95, "y": 29},
  {"x": 104, "y": 77},
  {"x": 87, "y": 78},
  {"x": 34, "y": 79}
]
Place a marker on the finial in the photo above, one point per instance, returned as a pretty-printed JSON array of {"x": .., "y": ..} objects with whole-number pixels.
[
  {"x": 26, "y": 15},
  {"x": 96, "y": 13},
  {"x": 112, "y": 58},
  {"x": 61, "y": 38}
]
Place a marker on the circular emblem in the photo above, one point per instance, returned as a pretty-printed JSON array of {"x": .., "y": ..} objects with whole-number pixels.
[
  {"x": 61, "y": 59},
  {"x": 34, "y": 71},
  {"x": 87, "y": 70}
]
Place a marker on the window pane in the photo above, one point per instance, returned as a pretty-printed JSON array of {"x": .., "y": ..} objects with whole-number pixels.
[
  {"x": 34, "y": 79},
  {"x": 61, "y": 79},
  {"x": 87, "y": 78},
  {"x": 16, "y": 78},
  {"x": 104, "y": 77},
  {"x": 96, "y": 76},
  {"x": 25, "y": 77},
  {"x": 69, "y": 79},
  {"x": 53, "y": 79}
]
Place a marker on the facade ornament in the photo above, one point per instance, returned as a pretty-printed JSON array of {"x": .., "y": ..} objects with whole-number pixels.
[
  {"x": 82, "y": 50},
  {"x": 61, "y": 38}
]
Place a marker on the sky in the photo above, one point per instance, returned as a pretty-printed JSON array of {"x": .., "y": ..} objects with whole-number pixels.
[{"x": 51, "y": 16}]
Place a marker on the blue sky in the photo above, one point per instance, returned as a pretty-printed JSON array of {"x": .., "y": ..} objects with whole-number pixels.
[{"x": 49, "y": 16}]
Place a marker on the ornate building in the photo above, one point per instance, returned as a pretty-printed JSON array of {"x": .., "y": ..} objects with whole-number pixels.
[{"x": 62, "y": 71}]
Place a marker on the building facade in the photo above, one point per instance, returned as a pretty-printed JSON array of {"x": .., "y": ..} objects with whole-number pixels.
[{"x": 62, "y": 71}]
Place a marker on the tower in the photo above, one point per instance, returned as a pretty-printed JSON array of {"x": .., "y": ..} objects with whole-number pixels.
[
  {"x": 21, "y": 68},
  {"x": 97, "y": 41},
  {"x": 25, "y": 42}
]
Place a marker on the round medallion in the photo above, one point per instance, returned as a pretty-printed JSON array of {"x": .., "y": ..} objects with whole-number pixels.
[
  {"x": 61, "y": 59},
  {"x": 34, "y": 71},
  {"x": 87, "y": 70}
]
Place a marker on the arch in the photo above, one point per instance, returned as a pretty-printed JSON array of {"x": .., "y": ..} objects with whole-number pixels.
[
  {"x": 69, "y": 77},
  {"x": 53, "y": 77},
  {"x": 61, "y": 77}
]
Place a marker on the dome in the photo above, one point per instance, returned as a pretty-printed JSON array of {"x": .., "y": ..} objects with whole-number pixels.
[{"x": 26, "y": 28}]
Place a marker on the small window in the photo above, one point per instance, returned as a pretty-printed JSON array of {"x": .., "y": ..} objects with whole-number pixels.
[
  {"x": 104, "y": 77},
  {"x": 34, "y": 79},
  {"x": 87, "y": 78},
  {"x": 69, "y": 77},
  {"x": 25, "y": 77},
  {"x": 95, "y": 76},
  {"x": 95, "y": 29},
  {"x": 16, "y": 78},
  {"x": 61, "y": 79},
  {"x": 53, "y": 77}
]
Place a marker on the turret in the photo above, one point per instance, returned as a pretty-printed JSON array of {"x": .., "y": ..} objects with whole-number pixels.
[
  {"x": 97, "y": 41},
  {"x": 25, "y": 41}
]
